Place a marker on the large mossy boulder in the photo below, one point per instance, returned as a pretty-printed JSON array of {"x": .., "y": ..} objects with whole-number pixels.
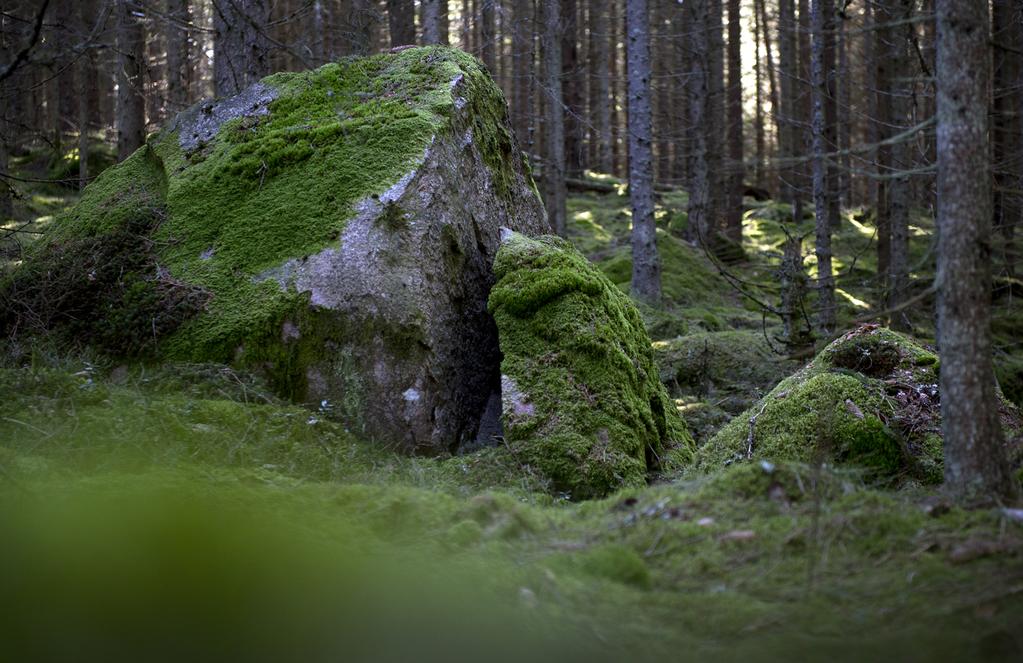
[
  {"x": 869, "y": 399},
  {"x": 581, "y": 399},
  {"x": 334, "y": 229}
]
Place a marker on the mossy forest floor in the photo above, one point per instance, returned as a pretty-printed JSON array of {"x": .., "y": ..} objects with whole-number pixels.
[{"x": 183, "y": 510}]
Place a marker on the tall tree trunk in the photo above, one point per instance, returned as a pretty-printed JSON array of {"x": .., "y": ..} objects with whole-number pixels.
[
  {"x": 522, "y": 69},
  {"x": 131, "y": 106},
  {"x": 679, "y": 93},
  {"x": 760, "y": 143},
  {"x": 844, "y": 101},
  {"x": 821, "y": 25},
  {"x": 360, "y": 24},
  {"x": 488, "y": 36},
  {"x": 899, "y": 187},
  {"x": 554, "y": 159},
  {"x": 702, "y": 212},
  {"x": 646, "y": 269},
  {"x": 882, "y": 131},
  {"x": 401, "y": 21},
  {"x": 600, "y": 96},
  {"x": 1006, "y": 125},
  {"x": 466, "y": 36},
  {"x": 787, "y": 109},
  {"x": 735, "y": 170},
  {"x": 177, "y": 21},
  {"x": 976, "y": 467},
  {"x": 618, "y": 143},
  {"x": 572, "y": 85},
  {"x": 433, "y": 25},
  {"x": 241, "y": 48},
  {"x": 661, "y": 48},
  {"x": 9, "y": 110}
]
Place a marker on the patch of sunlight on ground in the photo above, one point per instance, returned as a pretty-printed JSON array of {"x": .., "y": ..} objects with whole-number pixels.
[
  {"x": 863, "y": 229},
  {"x": 43, "y": 199},
  {"x": 603, "y": 177},
  {"x": 585, "y": 219},
  {"x": 659, "y": 344},
  {"x": 852, "y": 299},
  {"x": 917, "y": 231},
  {"x": 755, "y": 236}
]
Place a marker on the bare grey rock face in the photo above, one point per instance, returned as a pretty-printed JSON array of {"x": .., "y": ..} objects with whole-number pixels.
[{"x": 408, "y": 282}]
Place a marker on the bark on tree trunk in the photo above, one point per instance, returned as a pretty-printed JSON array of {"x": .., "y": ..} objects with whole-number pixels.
[
  {"x": 899, "y": 188},
  {"x": 820, "y": 26},
  {"x": 975, "y": 462},
  {"x": 600, "y": 96},
  {"x": 131, "y": 107},
  {"x": 882, "y": 128},
  {"x": 488, "y": 36},
  {"x": 758, "y": 126},
  {"x": 178, "y": 18},
  {"x": 401, "y": 21},
  {"x": 241, "y": 48},
  {"x": 554, "y": 161},
  {"x": 844, "y": 85},
  {"x": 1005, "y": 131},
  {"x": 735, "y": 170},
  {"x": 432, "y": 24},
  {"x": 572, "y": 86},
  {"x": 787, "y": 111},
  {"x": 646, "y": 270},
  {"x": 701, "y": 213}
]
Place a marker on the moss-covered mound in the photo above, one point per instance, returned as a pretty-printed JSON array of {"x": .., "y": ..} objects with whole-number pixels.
[
  {"x": 581, "y": 395},
  {"x": 334, "y": 229},
  {"x": 869, "y": 399}
]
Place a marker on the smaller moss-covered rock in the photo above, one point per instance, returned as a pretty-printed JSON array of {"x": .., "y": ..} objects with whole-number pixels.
[
  {"x": 582, "y": 402},
  {"x": 869, "y": 399},
  {"x": 829, "y": 409}
]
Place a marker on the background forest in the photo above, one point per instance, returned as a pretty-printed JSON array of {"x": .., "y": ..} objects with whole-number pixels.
[{"x": 812, "y": 204}]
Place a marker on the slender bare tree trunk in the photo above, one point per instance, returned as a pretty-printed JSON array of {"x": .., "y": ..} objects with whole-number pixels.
[
  {"x": 646, "y": 269},
  {"x": 554, "y": 161},
  {"x": 882, "y": 129},
  {"x": 760, "y": 142},
  {"x": 131, "y": 106},
  {"x": 401, "y": 22},
  {"x": 600, "y": 95},
  {"x": 241, "y": 48},
  {"x": 975, "y": 462},
  {"x": 1005, "y": 131},
  {"x": 572, "y": 85},
  {"x": 787, "y": 109},
  {"x": 899, "y": 187},
  {"x": 178, "y": 18},
  {"x": 522, "y": 68},
  {"x": 488, "y": 36},
  {"x": 820, "y": 26},
  {"x": 735, "y": 170},
  {"x": 432, "y": 11},
  {"x": 705, "y": 104},
  {"x": 617, "y": 70},
  {"x": 844, "y": 100}
]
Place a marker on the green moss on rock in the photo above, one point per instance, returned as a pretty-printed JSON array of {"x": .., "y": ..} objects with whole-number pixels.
[
  {"x": 582, "y": 400},
  {"x": 869, "y": 399}
]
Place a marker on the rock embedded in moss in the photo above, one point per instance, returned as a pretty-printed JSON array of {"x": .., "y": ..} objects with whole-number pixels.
[
  {"x": 869, "y": 399},
  {"x": 582, "y": 403},
  {"x": 341, "y": 225}
]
